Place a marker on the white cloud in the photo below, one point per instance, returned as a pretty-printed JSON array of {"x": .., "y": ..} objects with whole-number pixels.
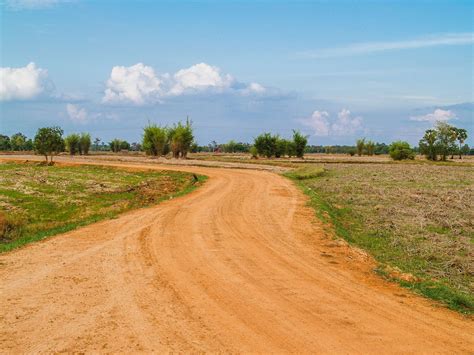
[
  {"x": 254, "y": 88},
  {"x": 318, "y": 122},
  {"x": 447, "y": 39},
  {"x": 77, "y": 114},
  {"x": 344, "y": 125},
  {"x": 32, "y": 4},
  {"x": 22, "y": 83},
  {"x": 137, "y": 84},
  {"x": 199, "y": 77},
  {"x": 437, "y": 115}
]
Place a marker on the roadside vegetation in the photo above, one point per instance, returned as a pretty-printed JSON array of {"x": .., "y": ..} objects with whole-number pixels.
[
  {"x": 416, "y": 220},
  {"x": 38, "y": 201}
]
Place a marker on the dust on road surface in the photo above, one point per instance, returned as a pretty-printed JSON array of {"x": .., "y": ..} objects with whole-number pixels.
[{"x": 238, "y": 265}]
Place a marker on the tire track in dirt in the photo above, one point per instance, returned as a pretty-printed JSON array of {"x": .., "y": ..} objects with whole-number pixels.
[{"x": 238, "y": 265}]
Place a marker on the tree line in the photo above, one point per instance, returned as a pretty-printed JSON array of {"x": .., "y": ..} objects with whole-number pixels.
[{"x": 177, "y": 140}]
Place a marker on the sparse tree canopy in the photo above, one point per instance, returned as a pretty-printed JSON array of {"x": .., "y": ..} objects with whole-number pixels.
[
  {"x": 370, "y": 148},
  {"x": 84, "y": 143},
  {"x": 49, "y": 141},
  {"x": 72, "y": 143},
  {"x": 428, "y": 145}
]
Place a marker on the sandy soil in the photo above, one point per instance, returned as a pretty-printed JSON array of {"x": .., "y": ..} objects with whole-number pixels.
[{"x": 238, "y": 265}]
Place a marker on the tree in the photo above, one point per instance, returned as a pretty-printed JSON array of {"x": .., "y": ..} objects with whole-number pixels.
[
  {"x": 428, "y": 145},
  {"x": 300, "y": 143},
  {"x": 465, "y": 149},
  {"x": 461, "y": 136},
  {"x": 280, "y": 147},
  {"x": 360, "y": 145},
  {"x": 4, "y": 142},
  {"x": 49, "y": 141},
  {"x": 72, "y": 143},
  {"x": 115, "y": 145},
  {"x": 446, "y": 137},
  {"x": 180, "y": 139},
  {"x": 96, "y": 143},
  {"x": 154, "y": 140},
  {"x": 370, "y": 148},
  {"x": 400, "y": 150},
  {"x": 84, "y": 143},
  {"x": 265, "y": 144},
  {"x": 18, "y": 141}
]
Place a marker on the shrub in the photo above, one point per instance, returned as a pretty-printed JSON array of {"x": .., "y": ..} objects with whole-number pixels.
[
  {"x": 72, "y": 143},
  {"x": 84, "y": 143},
  {"x": 266, "y": 144},
  {"x": 400, "y": 150},
  {"x": 300, "y": 143},
  {"x": 253, "y": 151},
  {"x": 370, "y": 148},
  {"x": 360, "y": 145},
  {"x": 155, "y": 139},
  {"x": 180, "y": 139}
]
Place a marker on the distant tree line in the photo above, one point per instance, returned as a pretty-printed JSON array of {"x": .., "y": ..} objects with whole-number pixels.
[{"x": 438, "y": 143}]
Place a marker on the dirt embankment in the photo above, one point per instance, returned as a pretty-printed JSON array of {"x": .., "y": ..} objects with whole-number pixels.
[{"x": 238, "y": 265}]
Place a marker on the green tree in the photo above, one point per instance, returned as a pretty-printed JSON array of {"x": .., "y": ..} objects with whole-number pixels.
[
  {"x": 400, "y": 150},
  {"x": 4, "y": 142},
  {"x": 115, "y": 145},
  {"x": 154, "y": 140},
  {"x": 446, "y": 137},
  {"x": 18, "y": 141},
  {"x": 72, "y": 143},
  {"x": 299, "y": 141},
  {"x": 230, "y": 146},
  {"x": 49, "y": 141},
  {"x": 84, "y": 143},
  {"x": 180, "y": 139},
  {"x": 428, "y": 145},
  {"x": 465, "y": 149},
  {"x": 370, "y": 148},
  {"x": 265, "y": 144},
  {"x": 461, "y": 136},
  {"x": 360, "y": 145},
  {"x": 280, "y": 147}
]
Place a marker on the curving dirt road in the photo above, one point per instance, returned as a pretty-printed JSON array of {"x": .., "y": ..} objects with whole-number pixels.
[{"x": 239, "y": 265}]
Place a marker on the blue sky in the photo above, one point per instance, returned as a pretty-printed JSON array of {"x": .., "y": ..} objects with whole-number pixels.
[{"x": 336, "y": 70}]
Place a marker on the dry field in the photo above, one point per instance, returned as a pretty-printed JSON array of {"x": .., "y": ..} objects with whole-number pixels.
[{"x": 416, "y": 219}]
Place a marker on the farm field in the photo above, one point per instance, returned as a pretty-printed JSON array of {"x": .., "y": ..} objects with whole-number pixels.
[
  {"x": 37, "y": 201},
  {"x": 416, "y": 220}
]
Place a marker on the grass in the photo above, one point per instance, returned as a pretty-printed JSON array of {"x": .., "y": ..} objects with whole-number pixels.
[
  {"x": 416, "y": 220},
  {"x": 38, "y": 201}
]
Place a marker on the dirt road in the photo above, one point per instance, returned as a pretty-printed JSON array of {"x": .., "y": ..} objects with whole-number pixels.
[{"x": 238, "y": 265}]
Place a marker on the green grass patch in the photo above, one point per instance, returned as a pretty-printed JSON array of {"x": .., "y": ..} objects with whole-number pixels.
[
  {"x": 38, "y": 201},
  {"x": 417, "y": 219}
]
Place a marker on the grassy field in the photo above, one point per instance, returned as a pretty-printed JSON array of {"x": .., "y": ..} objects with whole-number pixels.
[
  {"x": 417, "y": 220},
  {"x": 38, "y": 201}
]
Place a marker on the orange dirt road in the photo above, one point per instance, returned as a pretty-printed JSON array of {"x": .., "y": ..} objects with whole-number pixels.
[{"x": 239, "y": 265}]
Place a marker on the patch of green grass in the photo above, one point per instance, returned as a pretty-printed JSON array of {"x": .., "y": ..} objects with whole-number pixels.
[
  {"x": 306, "y": 172},
  {"x": 417, "y": 219},
  {"x": 38, "y": 201}
]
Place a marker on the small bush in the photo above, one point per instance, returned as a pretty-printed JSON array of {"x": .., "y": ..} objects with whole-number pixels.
[
  {"x": 10, "y": 226},
  {"x": 400, "y": 150},
  {"x": 307, "y": 172}
]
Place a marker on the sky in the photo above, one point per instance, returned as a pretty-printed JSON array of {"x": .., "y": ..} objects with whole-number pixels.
[{"x": 335, "y": 70}]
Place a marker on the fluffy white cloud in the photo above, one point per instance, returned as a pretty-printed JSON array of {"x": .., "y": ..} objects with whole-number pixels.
[
  {"x": 199, "y": 77},
  {"x": 22, "y": 83},
  {"x": 346, "y": 124},
  {"x": 318, "y": 122},
  {"x": 321, "y": 124},
  {"x": 77, "y": 114},
  {"x": 137, "y": 84},
  {"x": 437, "y": 115},
  {"x": 140, "y": 85}
]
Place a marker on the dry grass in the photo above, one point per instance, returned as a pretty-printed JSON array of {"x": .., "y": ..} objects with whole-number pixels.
[{"x": 418, "y": 218}]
